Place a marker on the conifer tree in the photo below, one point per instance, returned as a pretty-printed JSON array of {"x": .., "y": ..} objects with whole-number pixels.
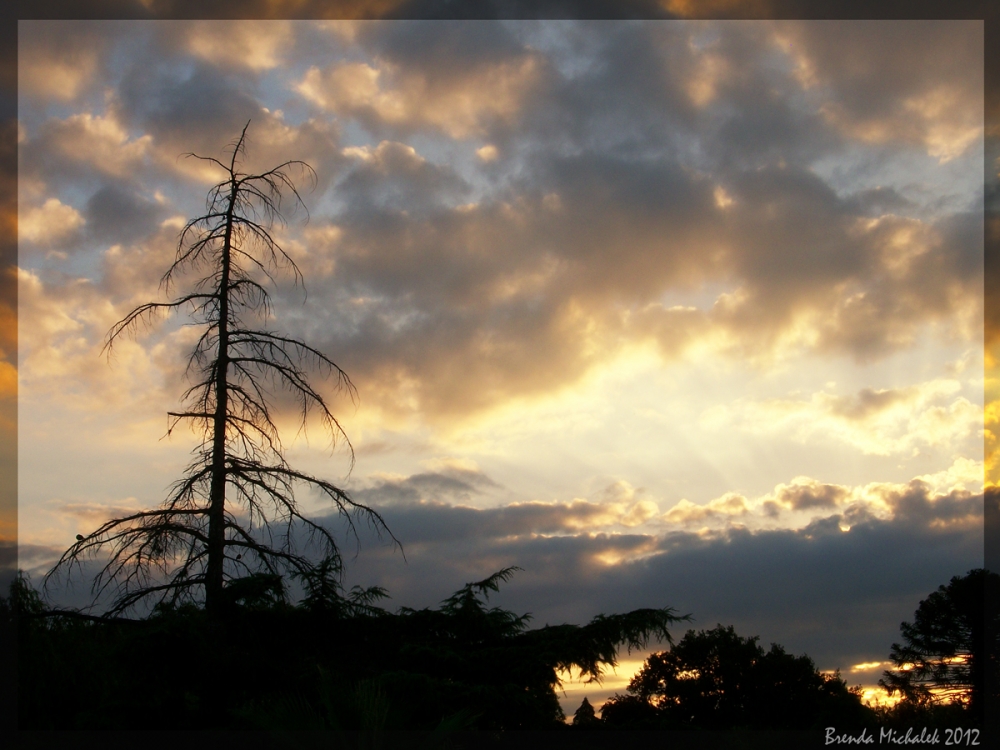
[
  {"x": 950, "y": 650},
  {"x": 585, "y": 715}
]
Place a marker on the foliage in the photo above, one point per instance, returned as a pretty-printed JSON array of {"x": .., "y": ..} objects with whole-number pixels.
[
  {"x": 716, "y": 679},
  {"x": 217, "y": 528},
  {"x": 22, "y": 599},
  {"x": 324, "y": 593},
  {"x": 355, "y": 666},
  {"x": 949, "y": 652}
]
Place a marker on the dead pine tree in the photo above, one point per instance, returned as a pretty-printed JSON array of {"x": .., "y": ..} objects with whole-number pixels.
[{"x": 194, "y": 543}]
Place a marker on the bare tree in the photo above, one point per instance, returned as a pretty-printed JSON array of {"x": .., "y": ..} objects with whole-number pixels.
[{"x": 194, "y": 541}]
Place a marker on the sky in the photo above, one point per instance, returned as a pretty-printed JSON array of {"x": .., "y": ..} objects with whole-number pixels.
[{"x": 665, "y": 313}]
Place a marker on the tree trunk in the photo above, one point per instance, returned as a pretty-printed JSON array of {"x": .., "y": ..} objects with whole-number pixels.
[{"x": 217, "y": 499}]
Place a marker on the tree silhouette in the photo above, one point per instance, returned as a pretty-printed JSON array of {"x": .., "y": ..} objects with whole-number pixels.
[
  {"x": 458, "y": 666},
  {"x": 950, "y": 649},
  {"x": 194, "y": 541},
  {"x": 584, "y": 715},
  {"x": 717, "y": 679}
]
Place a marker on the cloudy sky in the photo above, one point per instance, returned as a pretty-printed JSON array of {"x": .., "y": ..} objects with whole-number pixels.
[{"x": 680, "y": 314}]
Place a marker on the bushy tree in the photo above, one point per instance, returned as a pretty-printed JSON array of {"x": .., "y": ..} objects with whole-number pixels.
[
  {"x": 195, "y": 546},
  {"x": 949, "y": 651},
  {"x": 716, "y": 679}
]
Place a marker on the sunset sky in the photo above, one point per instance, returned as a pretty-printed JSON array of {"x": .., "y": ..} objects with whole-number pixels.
[{"x": 681, "y": 314}]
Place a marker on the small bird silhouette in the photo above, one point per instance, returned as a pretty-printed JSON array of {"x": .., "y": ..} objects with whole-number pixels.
[{"x": 79, "y": 537}]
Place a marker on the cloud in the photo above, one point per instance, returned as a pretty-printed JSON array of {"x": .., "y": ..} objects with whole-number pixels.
[
  {"x": 52, "y": 224},
  {"x": 453, "y": 484},
  {"x": 394, "y": 178},
  {"x": 806, "y": 494},
  {"x": 62, "y": 324},
  {"x": 62, "y": 60},
  {"x": 666, "y": 161},
  {"x": 877, "y": 88},
  {"x": 876, "y": 421},
  {"x": 118, "y": 214},
  {"x": 836, "y": 587},
  {"x": 452, "y": 77},
  {"x": 724, "y": 508},
  {"x": 413, "y": 101},
  {"x": 92, "y": 515},
  {"x": 619, "y": 505},
  {"x": 88, "y": 141},
  {"x": 257, "y": 45}
]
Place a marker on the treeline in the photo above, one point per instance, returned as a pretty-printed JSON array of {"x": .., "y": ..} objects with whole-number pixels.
[
  {"x": 946, "y": 673},
  {"x": 337, "y": 661}
]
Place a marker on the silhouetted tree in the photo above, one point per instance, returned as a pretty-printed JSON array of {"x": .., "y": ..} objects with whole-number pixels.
[
  {"x": 194, "y": 541},
  {"x": 949, "y": 651},
  {"x": 585, "y": 715},
  {"x": 716, "y": 679}
]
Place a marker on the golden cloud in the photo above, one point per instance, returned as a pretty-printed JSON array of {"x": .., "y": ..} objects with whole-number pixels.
[
  {"x": 942, "y": 499},
  {"x": 257, "y": 45},
  {"x": 51, "y": 222},
  {"x": 62, "y": 329},
  {"x": 459, "y": 106},
  {"x": 685, "y": 513},
  {"x": 100, "y": 141}
]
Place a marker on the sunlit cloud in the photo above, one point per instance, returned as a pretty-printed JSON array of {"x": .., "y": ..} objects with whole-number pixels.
[
  {"x": 726, "y": 507},
  {"x": 459, "y": 105},
  {"x": 99, "y": 141},
  {"x": 876, "y": 421},
  {"x": 258, "y": 45},
  {"x": 487, "y": 153},
  {"x": 51, "y": 223}
]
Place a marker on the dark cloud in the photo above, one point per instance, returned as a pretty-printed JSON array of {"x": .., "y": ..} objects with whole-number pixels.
[
  {"x": 875, "y": 71},
  {"x": 118, "y": 214},
  {"x": 31, "y": 556},
  {"x": 837, "y": 595},
  {"x": 394, "y": 179},
  {"x": 803, "y": 497},
  {"x": 453, "y": 485},
  {"x": 445, "y": 48},
  {"x": 187, "y": 106},
  {"x": 918, "y": 507},
  {"x": 877, "y": 201}
]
